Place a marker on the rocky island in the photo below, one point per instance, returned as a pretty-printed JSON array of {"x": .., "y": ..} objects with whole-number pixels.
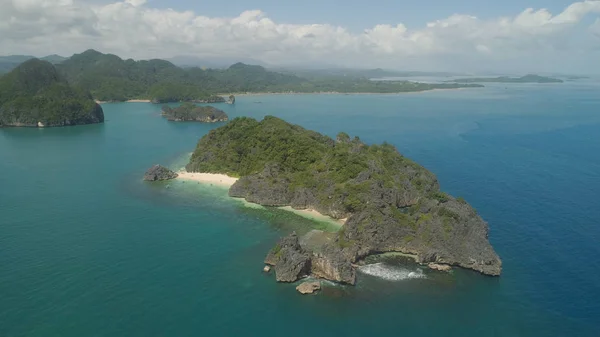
[
  {"x": 391, "y": 203},
  {"x": 192, "y": 112},
  {"x": 35, "y": 95},
  {"x": 530, "y": 78}
]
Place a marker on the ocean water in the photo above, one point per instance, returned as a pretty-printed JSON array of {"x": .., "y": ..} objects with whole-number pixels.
[{"x": 88, "y": 249}]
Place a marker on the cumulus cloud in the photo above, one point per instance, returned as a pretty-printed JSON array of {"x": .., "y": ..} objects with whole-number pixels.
[{"x": 132, "y": 28}]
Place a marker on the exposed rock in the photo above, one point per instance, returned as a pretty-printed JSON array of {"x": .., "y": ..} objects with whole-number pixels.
[
  {"x": 309, "y": 287},
  {"x": 439, "y": 267},
  {"x": 291, "y": 261},
  {"x": 332, "y": 264},
  {"x": 157, "y": 172},
  {"x": 267, "y": 269},
  {"x": 231, "y": 99}
]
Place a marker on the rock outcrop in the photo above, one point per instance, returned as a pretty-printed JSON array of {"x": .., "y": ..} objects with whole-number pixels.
[
  {"x": 439, "y": 267},
  {"x": 291, "y": 261},
  {"x": 231, "y": 99},
  {"x": 309, "y": 287},
  {"x": 157, "y": 173}
]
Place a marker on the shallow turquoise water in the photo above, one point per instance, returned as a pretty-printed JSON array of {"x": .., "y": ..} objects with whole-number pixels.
[{"x": 88, "y": 249}]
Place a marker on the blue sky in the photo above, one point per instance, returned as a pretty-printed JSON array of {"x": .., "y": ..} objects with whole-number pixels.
[{"x": 357, "y": 15}]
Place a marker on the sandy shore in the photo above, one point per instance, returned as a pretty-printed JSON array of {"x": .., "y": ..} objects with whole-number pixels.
[
  {"x": 128, "y": 101},
  {"x": 226, "y": 181},
  {"x": 138, "y": 101},
  {"x": 208, "y": 178}
]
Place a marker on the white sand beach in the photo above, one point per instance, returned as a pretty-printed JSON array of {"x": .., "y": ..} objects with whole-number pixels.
[
  {"x": 226, "y": 181},
  {"x": 208, "y": 178}
]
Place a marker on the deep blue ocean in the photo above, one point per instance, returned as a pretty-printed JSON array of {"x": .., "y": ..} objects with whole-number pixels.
[{"x": 89, "y": 249}]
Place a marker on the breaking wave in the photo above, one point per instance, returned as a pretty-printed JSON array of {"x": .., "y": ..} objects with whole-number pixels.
[{"x": 391, "y": 273}]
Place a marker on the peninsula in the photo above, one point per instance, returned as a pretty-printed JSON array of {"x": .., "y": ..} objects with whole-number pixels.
[
  {"x": 35, "y": 95},
  {"x": 391, "y": 203},
  {"x": 505, "y": 79},
  {"x": 192, "y": 112}
]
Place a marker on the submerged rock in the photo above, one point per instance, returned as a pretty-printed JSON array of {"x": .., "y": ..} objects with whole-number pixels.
[
  {"x": 439, "y": 267},
  {"x": 309, "y": 287},
  {"x": 291, "y": 261},
  {"x": 157, "y": 172}
]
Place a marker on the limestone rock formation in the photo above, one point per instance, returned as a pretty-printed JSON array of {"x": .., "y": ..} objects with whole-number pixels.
[
  {"x": 309, "y": 287},
  {"x": 157, "y": 173}
]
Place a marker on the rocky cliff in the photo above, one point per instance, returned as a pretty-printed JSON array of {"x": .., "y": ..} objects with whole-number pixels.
[{"x": 392, "y": 204}]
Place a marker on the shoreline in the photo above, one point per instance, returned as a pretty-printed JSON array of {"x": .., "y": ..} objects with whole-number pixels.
[
  {"x": 207, "y": 178},
  {"x": 224, "y": 180},
  {"x": 302, "y": 93},
  {"x": 344, "y": 93}
]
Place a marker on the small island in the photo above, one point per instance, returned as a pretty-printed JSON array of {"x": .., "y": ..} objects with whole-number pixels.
[
  {"x": 35, "y": 95},
  {"x": 505, "y": 79},
  {"x": 191, "y": 112},
  {"x": 390, "y": 203}
]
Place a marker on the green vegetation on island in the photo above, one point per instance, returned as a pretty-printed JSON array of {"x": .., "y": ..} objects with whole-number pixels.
[
  {"x": 34, "y": 94},
  {"x": 505, "y": 79},
  {"x": 192, "y": 112},
  {"x": 109, "y": 78},
  {"x": 392, "y": 203}
]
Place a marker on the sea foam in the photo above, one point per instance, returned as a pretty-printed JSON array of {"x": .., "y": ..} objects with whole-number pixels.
[{"x": 391, "y": 273}]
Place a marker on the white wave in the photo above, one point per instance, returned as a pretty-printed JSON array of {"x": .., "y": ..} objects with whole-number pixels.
[{"x": 391, "y": 273}]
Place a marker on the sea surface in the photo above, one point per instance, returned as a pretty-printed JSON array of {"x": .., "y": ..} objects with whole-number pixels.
[{"x": 89, "y": 249}]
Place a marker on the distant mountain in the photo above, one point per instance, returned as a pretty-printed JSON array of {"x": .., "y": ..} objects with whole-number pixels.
[
  {"x": 34, "y": 94},
  {"x": 111, "y": 78},
  {"x": 8, "y": 63},
  {"x": 505, "y": 79},
  {"x": 211, "y": 62}
]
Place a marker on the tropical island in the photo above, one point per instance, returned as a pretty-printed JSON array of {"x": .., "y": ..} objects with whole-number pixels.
[
  {"x": 35, "y": 95},
  {"x": 191, "y": 112},
  {"x": 112, "y": 79},
  {"x": 505, "y": 79},
  {"x": 389, "y": 203}
]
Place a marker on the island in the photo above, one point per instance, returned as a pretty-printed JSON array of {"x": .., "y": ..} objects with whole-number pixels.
[
  {"x": 191, "y": 112},
  {"x": 390, "y": 203},
  {"x": 505, "y": 79},
  {"x": 35, "y": 95}
]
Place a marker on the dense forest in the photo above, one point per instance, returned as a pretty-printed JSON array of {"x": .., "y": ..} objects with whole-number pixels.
[{"x": 35, "y": 94}]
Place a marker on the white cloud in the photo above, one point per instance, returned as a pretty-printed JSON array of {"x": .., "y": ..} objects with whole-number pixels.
[{"x": 134, "y": 29}]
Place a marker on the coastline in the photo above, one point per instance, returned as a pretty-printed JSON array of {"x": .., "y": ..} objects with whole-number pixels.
[
  {"x": 304, "y": 93},
  {"x": 343, "y": 93},
  {"x": 224, "y": 180}
]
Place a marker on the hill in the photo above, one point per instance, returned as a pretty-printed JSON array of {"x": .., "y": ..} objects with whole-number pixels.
[
  {"x": 8, "y": 63},
  {"x": 392, "y": 204},
  {"x": 35, "y": 94}
]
